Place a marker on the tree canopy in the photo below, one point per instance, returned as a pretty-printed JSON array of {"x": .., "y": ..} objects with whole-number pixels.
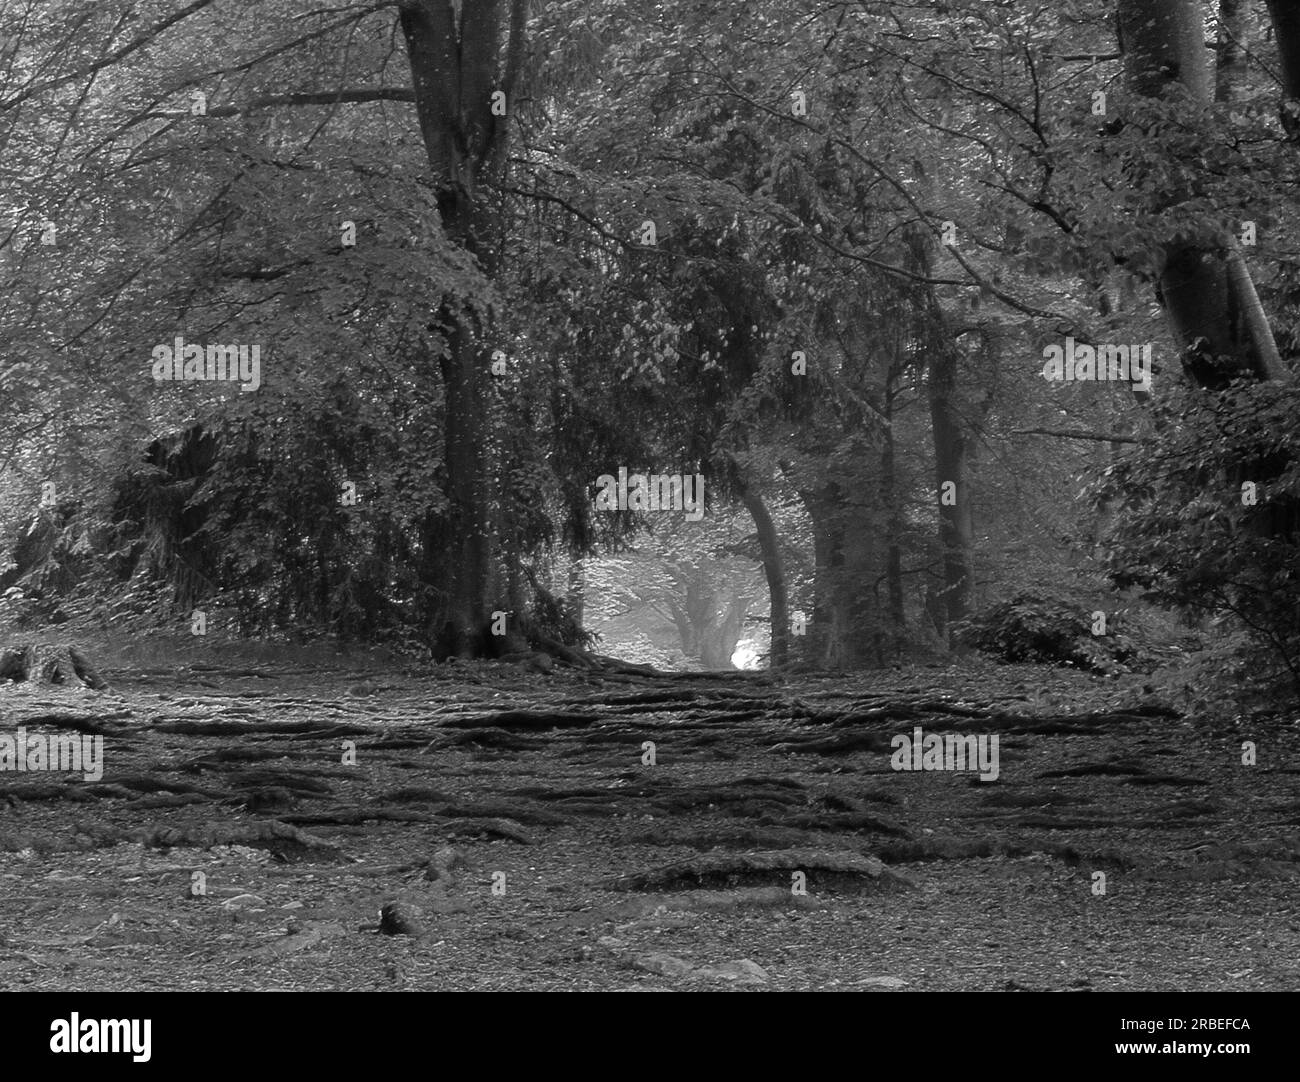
[{"x": 328, "y": 319}]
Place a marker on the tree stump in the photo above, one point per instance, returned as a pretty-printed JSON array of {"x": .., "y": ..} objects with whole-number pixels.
[{"x": 48, "y": 663}]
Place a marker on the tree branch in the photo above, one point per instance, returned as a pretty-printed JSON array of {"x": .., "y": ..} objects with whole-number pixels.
[
  {"x": 323, "y": 97},
  {"x": 1077, "y": 434},
  {"x": 126, "y": 50}
]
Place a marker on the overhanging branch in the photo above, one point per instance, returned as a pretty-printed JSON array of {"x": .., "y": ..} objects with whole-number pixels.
[{"x": 324, "y": 97}]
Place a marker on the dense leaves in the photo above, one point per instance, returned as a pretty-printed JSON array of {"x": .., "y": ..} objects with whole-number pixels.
[{"x": 1050, "y": 630}]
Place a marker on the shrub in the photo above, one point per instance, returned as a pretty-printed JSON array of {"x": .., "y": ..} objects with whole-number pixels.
[
  {"x": 1209, "y": 518},
  {"x": 1033, "y": 628}
]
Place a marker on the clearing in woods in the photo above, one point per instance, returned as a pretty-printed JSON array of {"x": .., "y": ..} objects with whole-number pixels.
[{"x": 511, "y": 830}]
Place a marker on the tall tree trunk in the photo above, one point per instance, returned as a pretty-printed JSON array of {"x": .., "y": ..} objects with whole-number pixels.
[
  {"x": 826, "y": 629},
  {"x": 893, "y": 522},
  {"x": 845, "y": 629},
  {"x": 951, "y": 450},
  {"x": 956, "y": 517},
  {"x": 1207, "y": 290},
  {"x": 773, "y": 569},
  {"x": 466, "y": 554},
  {"x": 1286, "y": 29},
  {"x": 1230, "y": 52},
  {"x": 457, "y": 64}
]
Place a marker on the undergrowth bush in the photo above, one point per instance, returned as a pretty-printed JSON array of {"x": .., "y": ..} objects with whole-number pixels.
[{"x": 1033, "y": 628}]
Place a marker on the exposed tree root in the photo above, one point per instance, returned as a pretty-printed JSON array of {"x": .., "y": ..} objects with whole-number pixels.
[
  {"x": 282, "y": 839},
  {"x": 221, "y": 727},
  {"x": 46, "y": 663},
  {"x": 492, "y": 828},
  {"x": 823, "y": 868}
]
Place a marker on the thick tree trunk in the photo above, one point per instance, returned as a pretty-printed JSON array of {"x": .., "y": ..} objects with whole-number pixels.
[
  {"x": 467, "y": 554},
  {"x": 1254, "y": 319},
  {"x": 455, "y": 52},
  {"x": 845, "y": 632},
  {"x": 825, "y": 633},
  {"x": 956, "y": 517},
  {"x": 48, "y": 663},
  {"x": 774, "y": 571},
  {"x": 893, "y": 523}
]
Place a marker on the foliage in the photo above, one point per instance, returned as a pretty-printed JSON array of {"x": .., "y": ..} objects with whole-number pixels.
[
  {"x": 692, "y": 581},
  {"x": 781, "y": 232},
  {"x": 556, "y": 618},
  {"x": 1211, "y": 515},
  {"x": 1036, "y": 628}
]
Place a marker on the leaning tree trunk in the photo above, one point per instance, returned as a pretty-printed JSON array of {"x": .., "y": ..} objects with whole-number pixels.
[
  {"x": 457, "y": 65},
  {"x": 773, "y": 569},
  {"x": 1206, "y": 287},
  {"x": 1286, "y": 29}
]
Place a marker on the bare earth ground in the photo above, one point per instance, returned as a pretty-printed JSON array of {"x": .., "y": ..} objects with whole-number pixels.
[{"x": 619, "y": 875}]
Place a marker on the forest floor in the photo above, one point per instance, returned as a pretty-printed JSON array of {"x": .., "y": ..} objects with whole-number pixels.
[{"x": 519, "y": 842}]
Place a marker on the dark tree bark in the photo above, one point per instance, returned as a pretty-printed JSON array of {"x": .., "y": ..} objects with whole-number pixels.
[
  {"x": 774, "y": 571},
  {"x": 949, "y": 431},
  {"x": 845, "y": 632},
  {"x": 893, "y": 520},
  {"x": 1230, "y": 54},
  {"x": 956, "y": 518},
  {"x": 826, "y": 633},
  {"x": 457, "y": 63}
]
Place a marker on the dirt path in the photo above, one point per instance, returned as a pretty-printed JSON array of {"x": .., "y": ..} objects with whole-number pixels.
[{"x": 514, "y": 834}]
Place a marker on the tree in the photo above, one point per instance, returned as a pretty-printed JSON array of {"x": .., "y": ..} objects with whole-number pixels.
[
  {"x": 773, "y": 570},
  {"x": 465, "y": 65},
  {"x": 1204, "y": 283}
]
